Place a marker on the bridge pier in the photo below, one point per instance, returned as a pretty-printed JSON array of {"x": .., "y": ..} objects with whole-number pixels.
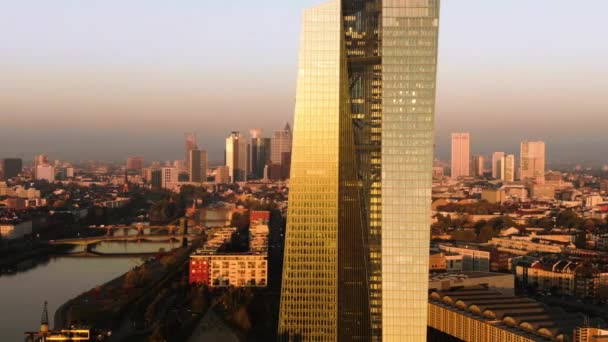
[
  {"x": 183, "y": 222},
  {"x": 88, "y": 248}
]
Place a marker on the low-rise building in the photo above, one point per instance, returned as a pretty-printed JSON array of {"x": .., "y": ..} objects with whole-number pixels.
[
  {"x": 248, "y": 269},
  {"x": 437, "y": 262},
  {"x": 222, "y": 175},
  {"x": 604, "y": 185},
  {"x": 589, "y": 334},
  {"x": 494, "y": 195},
  {"x": 516, "y": 192},
  {"x": 593, "y": 200},
  {"x": 444, "y": 261},
  {"x": 221, "y": 270},
  {"x": 542, "y": 191},
  {"x": 15, "y": 229},
  {"x": 481, "y": 314},
  {"x": 437, "y": 172},
  {"x": 564, "y": 277},
  {"x": 473, "y": 259},
  {"x": 119, "y": 202},
  {"x": 502, "y": 282},
  {"x": 525, "y": 245}
]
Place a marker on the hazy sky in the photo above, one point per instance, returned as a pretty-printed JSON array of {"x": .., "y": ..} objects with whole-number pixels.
[{"x": 103, "y": 79}]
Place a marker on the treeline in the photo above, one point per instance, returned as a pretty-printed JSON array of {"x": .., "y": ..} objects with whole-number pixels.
[
  {"x": 239, "y": 240},
  {"x": 479, "y": 208},
  {"x": 480, "y": 231}
]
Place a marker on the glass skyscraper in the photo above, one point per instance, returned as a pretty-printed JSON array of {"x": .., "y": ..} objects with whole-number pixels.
[
  {"x": 236, "y": 157},
  {"x": 357, "y": 240}
]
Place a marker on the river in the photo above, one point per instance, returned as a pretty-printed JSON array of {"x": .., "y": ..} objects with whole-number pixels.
[{"x": 22, "y": 295}]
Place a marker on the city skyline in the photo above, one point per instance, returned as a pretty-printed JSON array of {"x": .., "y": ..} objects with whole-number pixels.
[
  {"x": 319, "y": 170},
  {"x": 71, "y": 102}
]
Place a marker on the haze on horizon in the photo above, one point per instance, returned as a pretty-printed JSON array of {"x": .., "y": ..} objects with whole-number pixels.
[{"x": 104, "y": 79}]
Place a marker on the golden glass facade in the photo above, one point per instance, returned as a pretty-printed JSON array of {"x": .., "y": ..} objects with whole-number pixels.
[
  {"x": 309, "y": 303},
  {"x": 356, "y": 248}
]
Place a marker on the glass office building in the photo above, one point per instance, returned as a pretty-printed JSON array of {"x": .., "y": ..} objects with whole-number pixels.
[{"x": 356, "y": 247}]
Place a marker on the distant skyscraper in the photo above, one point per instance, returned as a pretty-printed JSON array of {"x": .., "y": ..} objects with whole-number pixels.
[
  {"x": 156, "y": 178},
  {"x": 11, "y": 167},
  {"x": 254, "y": 133},
  {"x": 532, "y": 161},
  {"x": 273, "y": 172},
  {"x": 478, "y": 166},
  {"x": 460, "y": 155},
  {"x": 198, "y": 166},
  {"x": 356, "y": 246},
  {"x": 146, "y": 173},
  {"x": 497, "y": 169},
  {"x": 236, "y": 157},
  {"x": 190, "y": 143},
  {"x": 169, "y": 177},
  {"x": 285, "y": 165},
  {"x": 508, "y": 168},
  {"x": 260, "y": 152},
  {"x": 281, "y": 142},
  {"x": 45, "y": 172},
  {"x": 69, "y": 172},
  {"x": 41, "y": 159},
  {"x": 222, "y": 175},
  {"x": 135, "y": 163}
]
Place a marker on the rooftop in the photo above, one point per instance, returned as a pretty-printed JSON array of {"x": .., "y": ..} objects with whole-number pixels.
[{"x": 521, "y": 315}]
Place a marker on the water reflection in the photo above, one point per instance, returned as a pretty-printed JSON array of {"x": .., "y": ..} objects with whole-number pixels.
[{"x": 59, "y": 280}]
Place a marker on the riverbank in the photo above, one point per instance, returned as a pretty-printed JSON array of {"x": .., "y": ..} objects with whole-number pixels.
[
  {"x": 62, "y": 314},
  {"x": 18, "y": 261},
  {"x": 109, "y": 305}
]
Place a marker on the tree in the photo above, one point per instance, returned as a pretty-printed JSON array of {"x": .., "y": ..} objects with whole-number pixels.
[
  {"x": 144, "y": 274},
  {"x": 241, "y": 318},
  {"x": 466, "y": 235},
  {"x": 160, "y": 211},
  {"x": 131, "y": 278},
  {"x": 486, "y": 233},
  {"x": 568, "y": 219},
  {"x": 580, "y": 240},
  {"x": 545, "y": 223},
  {"x": 97, "y": 291},
  {"x": 589, "y": 225},
  {"x": 479, "y": 225},
  {"x": 157, "y": 335},
  {"x": 443, "y": 222},
  {"x": 199, "y": 300},
  {"x": 240, "y": 221},
  {"x": 502, "y": 222}
]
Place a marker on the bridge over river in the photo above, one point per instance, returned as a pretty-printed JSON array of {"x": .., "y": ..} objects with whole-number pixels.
[{"x": 87, "y": 241}]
